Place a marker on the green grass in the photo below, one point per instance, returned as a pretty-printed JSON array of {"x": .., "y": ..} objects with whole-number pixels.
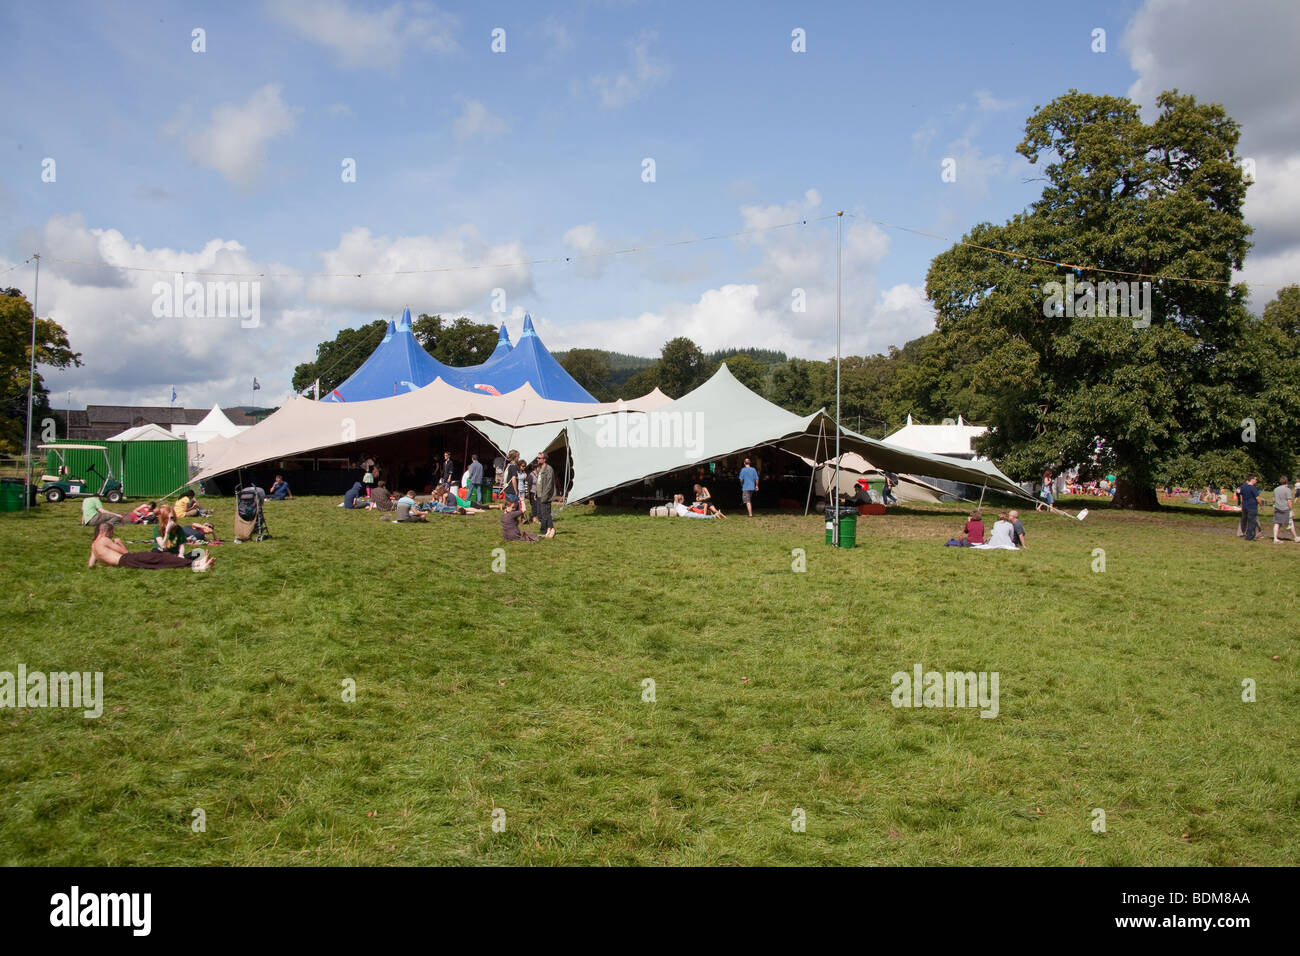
[{"x": 522, "y": 691}]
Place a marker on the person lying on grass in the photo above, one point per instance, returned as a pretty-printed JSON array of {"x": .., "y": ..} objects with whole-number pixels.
[
  {"x": 445, "y": 501},
  {"x": 107, "y": 550},
  {"x": 679, "y": 509},
  {"x": 143, "y": 514},
  {"x": 510, "y": 517}
]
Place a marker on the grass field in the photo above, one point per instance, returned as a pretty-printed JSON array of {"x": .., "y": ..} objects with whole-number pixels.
[{"x": 522, "y": 691}]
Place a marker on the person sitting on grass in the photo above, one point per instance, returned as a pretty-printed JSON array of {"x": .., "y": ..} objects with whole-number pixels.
[
  {"x": 381, "y": 499},
  {"x": 1001, "y": 536},
  {"x": 510, "y": 517},
  {"x": 351, "y": 495},
  {"x": 107, "y": 550},
  {"x": 406, "y": 509},
  {"x": 704, "y": 503},
  {"x": 170, "y": 537},
  {"x": 972, "y": 533},
  {"x": 94, "y": 514},
  {"x": 280, "y": 490},
  {"x": 187, "y": 507}
]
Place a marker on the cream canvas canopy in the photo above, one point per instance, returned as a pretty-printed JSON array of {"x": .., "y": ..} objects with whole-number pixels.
[
  {"x": 302, "y": 425},
  {"x": 623, "y": 446}
]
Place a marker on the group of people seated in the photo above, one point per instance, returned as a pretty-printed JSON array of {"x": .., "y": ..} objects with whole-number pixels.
[
  {"x": 702, "y": 507},
  {"x": 410, "y": 508},
  {"x": 1008, "y": 532}
]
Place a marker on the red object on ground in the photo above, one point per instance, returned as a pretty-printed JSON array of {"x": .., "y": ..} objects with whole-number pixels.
[{"x": 872, "y": 509}]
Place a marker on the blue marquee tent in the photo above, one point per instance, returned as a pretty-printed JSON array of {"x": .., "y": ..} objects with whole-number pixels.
[{"x": 399, "y": 364}]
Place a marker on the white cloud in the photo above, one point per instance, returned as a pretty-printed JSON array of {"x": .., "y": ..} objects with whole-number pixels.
[
  {"x": 131, "y": 355},
  {"x": 476, "y": 122},
  {"x": 358, "y": 251},
  {"x": 644, "y": 75},
  {"x": 760, "y": 310},
  {"x": 340, "y": 109},
  {"x": 987, "y": 101},
  {"x": 361, "y": 37},
  {"x": 234, "y": 141}
]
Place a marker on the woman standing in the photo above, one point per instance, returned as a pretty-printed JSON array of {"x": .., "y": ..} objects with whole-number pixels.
[{"x": 1045, "y": 494}]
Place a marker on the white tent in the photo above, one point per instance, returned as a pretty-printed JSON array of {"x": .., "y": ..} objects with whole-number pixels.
[
  {"x": 302, "y": 425},
  {"x": 947, "y": 439},
  {"x": 215, "y": 424},
  {"x": 853, "y": 467},
  {"x": 620, "y": 447},
  {"x": 146, "y": 432}
]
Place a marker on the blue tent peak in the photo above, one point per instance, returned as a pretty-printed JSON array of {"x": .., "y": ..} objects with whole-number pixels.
[
  {"x": 503, "y": 335},
  {"x": 404, "y": 323},
  {"x": 388, "y": 334},
  {"x": 528, "y": 327}
]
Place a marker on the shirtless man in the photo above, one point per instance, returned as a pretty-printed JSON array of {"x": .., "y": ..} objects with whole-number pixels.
[{"x": 106, "y": 549}]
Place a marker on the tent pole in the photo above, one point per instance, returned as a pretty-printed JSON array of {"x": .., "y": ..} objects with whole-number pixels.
[
  {"x": 835, "y": 498},
  {"x": 817, "y": 457},
  {"x": 982, "y": 490}
]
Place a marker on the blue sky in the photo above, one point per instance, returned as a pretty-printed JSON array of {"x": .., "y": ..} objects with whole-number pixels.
[{"x": 230, "y": 160}]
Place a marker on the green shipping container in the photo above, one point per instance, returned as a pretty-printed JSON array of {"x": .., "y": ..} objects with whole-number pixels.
[{"x": 150, "y": 469}]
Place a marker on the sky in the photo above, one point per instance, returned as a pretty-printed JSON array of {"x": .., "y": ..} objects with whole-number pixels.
[{"x": 342, "y": 160}]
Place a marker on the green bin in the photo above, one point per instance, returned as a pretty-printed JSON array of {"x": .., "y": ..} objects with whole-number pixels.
[
  {"x": 848, "y": 530},
  {"x": 12, "y": 491}
]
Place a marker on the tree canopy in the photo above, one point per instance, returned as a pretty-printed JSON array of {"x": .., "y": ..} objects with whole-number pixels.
[
  {"x": 1083, "y": 380},
  {"x": 52, "y": 350},
  {"x": 459, "y": 343},
  {"x": 338, "y": 358}
]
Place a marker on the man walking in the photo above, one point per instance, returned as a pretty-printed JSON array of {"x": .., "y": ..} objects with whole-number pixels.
[
  {"x": 545, "y": 495},
  {"x": 748, "y": 485},
  {"x": 475, "y": 474},
  {"x": 1282, "y": 499},
  {"x": 1249, "y": 493}
]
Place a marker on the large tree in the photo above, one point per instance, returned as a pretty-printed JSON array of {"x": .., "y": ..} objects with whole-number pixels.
[
  {"x": 748, "y": 371},
  {"x": 52, "y": 349},
  {"x": 1125, "y": 200},
  {"x": 459, "y": 343},
  {"x": 338, "y": 358},
  {"x": 681, "y": 367},
  {"x": 590, "y": 369}
]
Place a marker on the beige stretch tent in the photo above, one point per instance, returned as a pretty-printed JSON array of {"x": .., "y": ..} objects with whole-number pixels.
[
  {"x": 302, "y": 425},
  {"x": 853, "y": 467},
  {"x": 620, "y": 447}
]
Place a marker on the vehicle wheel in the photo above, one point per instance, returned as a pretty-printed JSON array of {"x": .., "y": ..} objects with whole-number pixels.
[
  {"x": 114, "y": 496},
  {"x": 54, "y": 495}
]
